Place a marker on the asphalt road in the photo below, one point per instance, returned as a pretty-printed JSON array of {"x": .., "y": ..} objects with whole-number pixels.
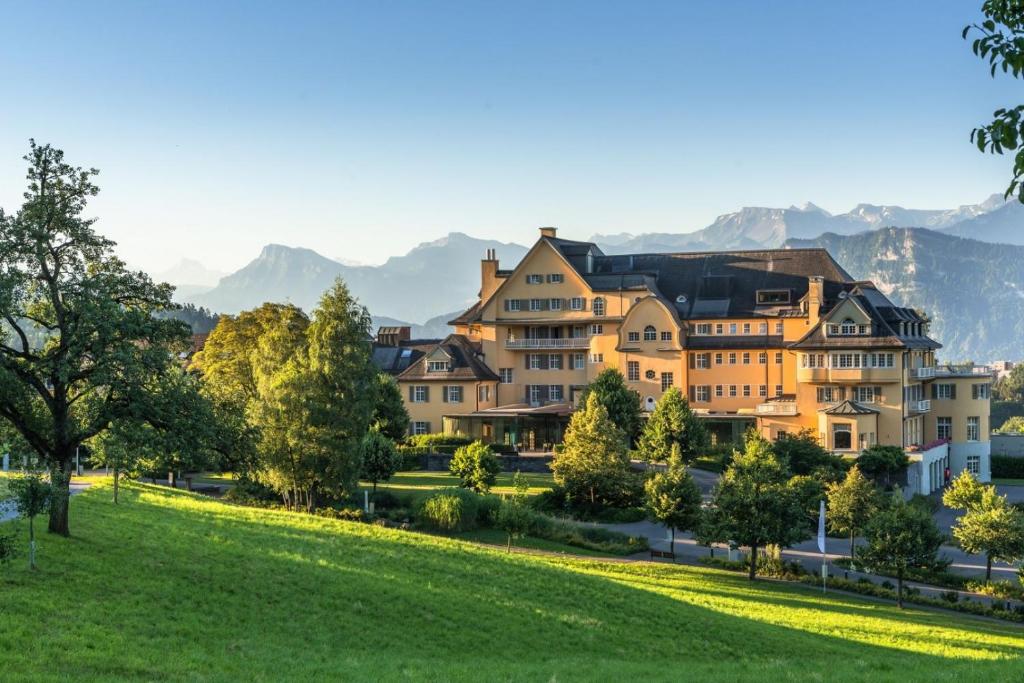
[{"x": 807, "y": 552}]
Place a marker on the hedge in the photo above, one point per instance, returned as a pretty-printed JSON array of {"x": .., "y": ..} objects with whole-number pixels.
[{"x": 1007, "y": 467}]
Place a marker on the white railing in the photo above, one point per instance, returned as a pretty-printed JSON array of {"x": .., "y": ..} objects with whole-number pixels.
[
  {"x": 561, "y": 343},
  {"x": 776, "y": 409},
  {"x": 927, "y": 372},
  {"x": 921, "y": 406}
]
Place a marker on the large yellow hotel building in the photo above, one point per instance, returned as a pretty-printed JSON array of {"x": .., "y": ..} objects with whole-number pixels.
[{"x": 777, "y": 340}]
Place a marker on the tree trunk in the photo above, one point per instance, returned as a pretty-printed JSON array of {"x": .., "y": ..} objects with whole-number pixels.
[
  {"x": 899, "y": 587},
  {"x": 853, "y": 547},
  {"x": 60, "y": 479},
  {"x": 988, "y": 568},
  {"x": 117, "y": 476},
  {"x": 753, "y": 563},
  {"x": 672, "y": 548},
  {"x": 509, "y": 549}
]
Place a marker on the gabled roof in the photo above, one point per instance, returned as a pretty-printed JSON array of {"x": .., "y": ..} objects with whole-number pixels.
[
  {"x": 849, "y": 407},
  {"x": 466, "y": 363},
  {"x": 884, "y": 317},
  {"x": 470, "y": 315}
]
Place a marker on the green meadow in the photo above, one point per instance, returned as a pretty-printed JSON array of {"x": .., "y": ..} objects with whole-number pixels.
[{"x": 169, "y": 585}]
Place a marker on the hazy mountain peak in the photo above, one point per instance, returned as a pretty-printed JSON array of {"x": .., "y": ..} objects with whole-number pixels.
[{"x": 189, "y": 271}]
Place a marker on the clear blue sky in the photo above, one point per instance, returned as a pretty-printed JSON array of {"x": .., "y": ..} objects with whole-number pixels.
[{"x": 361, "y": 129}]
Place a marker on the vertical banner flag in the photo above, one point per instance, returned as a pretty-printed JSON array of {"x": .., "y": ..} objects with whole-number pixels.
[{"x": 821, "y": 528}]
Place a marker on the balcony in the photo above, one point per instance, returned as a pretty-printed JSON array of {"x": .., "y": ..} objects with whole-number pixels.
[
  {"x": 850, "y": 375},
  {"x": 923, "y": 406},
  {"x": 927, "y": 372},
  {"x": 542, "y": 344},
  {"x": 782, "y": 408}
]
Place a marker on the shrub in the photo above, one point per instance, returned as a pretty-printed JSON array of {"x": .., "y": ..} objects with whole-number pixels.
[
  {"x": 350, "y": 514},
  {"x": 8, "y": 547},
  {"x": 1007, "y": 467},
  {"x": 487, "y": 510},
  {"x": 450, "y": 509},
  {"x": 476, "y": 466},
  {"x": 432, "y": 441},
  {"x": 950, "y": 596}
]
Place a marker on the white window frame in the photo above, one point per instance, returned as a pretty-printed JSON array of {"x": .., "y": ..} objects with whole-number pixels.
[
  {"x": 437, "y": 366},
  {"x": 454, "y": 393},
  {"x": 672, "y": 381},
  {"x": 579, "y": 361},
  {"x": 576, "y": 303},
  {"x": 973, "y": 428},
  {"x": 632, "y": 371},
  {"x": 701, "y": 392},
  {"x": 632, "y": 336},
  {"x": 514, "y": 305},
  {"x": 420, "y": 427},
  {"x": 944, "y": 424},
  {"x": 419, "y": 393},
  {"x": 650, "y": 333},
  {"x": 534, "y": 279},
  {"x": 555, "y": 392},
  {"x": 703, "y": 328},
  {"x": 973, "y": 464},
  {"x": 597, "y": 306},
  {"x": 505, "y": 375},
  {"x": 555, "y": 304}
]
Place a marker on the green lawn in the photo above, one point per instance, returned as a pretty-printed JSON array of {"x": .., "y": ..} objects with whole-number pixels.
[
  {"x": 4, "y": 491},
  {"x": 173, "y": 586},
  {"x": 420, "y": 483},
  {"x": 498, "y": 537},
  {"x": 1009, "y": 482}
]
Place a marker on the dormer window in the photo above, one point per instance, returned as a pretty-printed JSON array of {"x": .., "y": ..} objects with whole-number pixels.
[
  {"x": 437, "y": 366},
  {"x": 768, "y": 297},
  {"x": 650, "y": 334},
  {"x": 848, "y": 328}
]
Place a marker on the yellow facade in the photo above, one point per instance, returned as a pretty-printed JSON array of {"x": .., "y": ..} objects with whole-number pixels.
[{"x": 547, "y": 332}]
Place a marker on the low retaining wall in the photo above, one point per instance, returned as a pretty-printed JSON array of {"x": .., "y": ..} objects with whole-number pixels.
[
  {"x": 438, "y": 462},
  {"x": 1008, "y": 444}
]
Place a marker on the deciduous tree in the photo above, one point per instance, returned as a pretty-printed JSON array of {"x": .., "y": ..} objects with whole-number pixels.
[
  {"x": 102, "y": 341},
  {"x": 32, "y": 498},
  {"x": 999, "y": 40},
  {"x": 380, "y": 458},
  {"x": 901, "y": 537},
  {"x": 882, "y": 462},
  {"x": 672, "y": 424},
  {"x": 476, "y": 466},
  {"x": 673, "y": 497},
  {"x": 851, "y": 503},
  {"x": 989, "y": 525},
  {"x": 594, "y": 463},
  {"x": 515, "y": 517},
  {"x": 620, "y": 402},
  {"x": 756, "y": 504}
]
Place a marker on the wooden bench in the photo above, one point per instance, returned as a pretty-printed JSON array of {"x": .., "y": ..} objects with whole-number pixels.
[{"x": 667, "y": 554}]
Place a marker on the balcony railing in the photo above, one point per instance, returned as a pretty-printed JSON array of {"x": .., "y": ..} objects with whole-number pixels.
[
  {"x": 920, "y": 406},
  {"x": 927, "y": 372},
  {"x": 560, "y": 343},
  {"x": 777, "y": 409}
]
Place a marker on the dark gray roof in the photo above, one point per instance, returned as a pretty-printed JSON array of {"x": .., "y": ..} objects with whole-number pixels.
[
  {"x": 396, "y": 359},
  {"x": 708, "y": 284},
  {"x": 849, "y": 407},
  {"x": 465, "y": 362}
]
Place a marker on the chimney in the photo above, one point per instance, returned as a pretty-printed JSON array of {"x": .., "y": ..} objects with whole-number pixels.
[
  {"x": 548, "y": 232},
  {"x": 815, "y": 298},
  {"x": 488, "y": 274},
  {"x": 393, "y": 336}
]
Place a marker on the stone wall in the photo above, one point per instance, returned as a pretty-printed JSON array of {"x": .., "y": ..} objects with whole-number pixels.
[{"x": 438, "y": 462}]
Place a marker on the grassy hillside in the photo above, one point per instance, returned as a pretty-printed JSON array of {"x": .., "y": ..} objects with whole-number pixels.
[{"x": 169, "y": 585}]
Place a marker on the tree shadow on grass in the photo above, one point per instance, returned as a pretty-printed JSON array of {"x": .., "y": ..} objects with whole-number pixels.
[{"x": 246, "y": 590}]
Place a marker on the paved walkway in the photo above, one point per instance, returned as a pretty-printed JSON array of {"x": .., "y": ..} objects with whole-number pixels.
[{"x": 8, "y": 511}]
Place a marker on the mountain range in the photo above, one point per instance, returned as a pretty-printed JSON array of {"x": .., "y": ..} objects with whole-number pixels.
[
  {"x": 973, "y": 290},
  {"x": 963, "y": 266},
  {"x": 434, "y": 279},
  {"x": 993, "y": 220}
]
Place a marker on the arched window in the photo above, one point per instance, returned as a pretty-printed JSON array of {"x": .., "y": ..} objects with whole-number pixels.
[
  {"x": 848, "y": 327},
  {"x": 650, "y": 334},
  {"x": 598, "y": 306},
  {"x": 842, "y": 439}
]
